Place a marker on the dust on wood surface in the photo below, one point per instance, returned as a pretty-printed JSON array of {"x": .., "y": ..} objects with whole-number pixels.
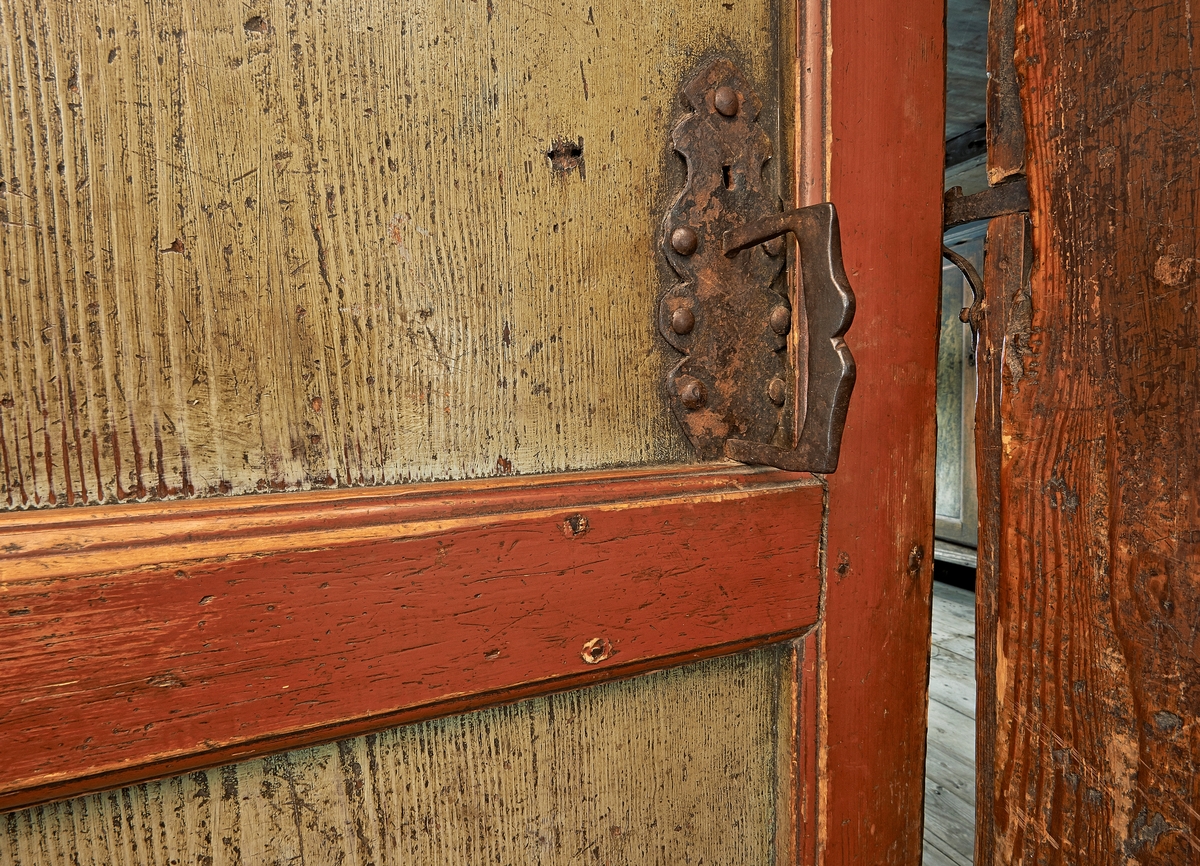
[
  {"x": 277, "y": 245},
  {"x": 674, "y": 767},
  {"x": 1098, "y": 729}
]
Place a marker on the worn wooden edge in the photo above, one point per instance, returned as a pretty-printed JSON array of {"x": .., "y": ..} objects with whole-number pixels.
[
  {"x": 652, "y": 547},
  {"x": 1006, "y": 262}
]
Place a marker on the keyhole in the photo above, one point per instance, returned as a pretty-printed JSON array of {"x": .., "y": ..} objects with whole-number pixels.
[{"x": 727, "y": 176}]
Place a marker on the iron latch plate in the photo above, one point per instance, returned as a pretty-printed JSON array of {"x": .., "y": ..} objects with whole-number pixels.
[{"x": 766, "y": 375}]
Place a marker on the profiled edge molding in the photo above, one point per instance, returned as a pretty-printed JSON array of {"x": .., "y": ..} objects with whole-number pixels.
[{"x": 140, "y": 641}]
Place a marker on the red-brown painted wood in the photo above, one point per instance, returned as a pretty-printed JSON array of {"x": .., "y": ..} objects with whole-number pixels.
[
  {"x": 886, "y": 95},
  {"x": 144, "y": 640},
  {"x": 1094, "y": 741}
]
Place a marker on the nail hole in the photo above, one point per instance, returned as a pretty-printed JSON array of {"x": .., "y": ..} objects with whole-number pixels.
[
  {"x": 255, "y": 24},
  {"x": 596, "y": 650},
  {"x": 727, "y": 176},
  {"x": 575, "y": 526},
  {"x": 566, "y": 156}
]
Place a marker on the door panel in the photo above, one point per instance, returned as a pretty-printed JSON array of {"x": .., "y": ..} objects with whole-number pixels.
[
  {"x": 640, "y": 771},
  {"x": 272, "y": 246},
  {"x": 281, "y": 246}
]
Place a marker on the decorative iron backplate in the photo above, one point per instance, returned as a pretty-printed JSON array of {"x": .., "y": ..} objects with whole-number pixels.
[
  {"x": 738, "y": 392},
  {"x": 729, "y": 315}
]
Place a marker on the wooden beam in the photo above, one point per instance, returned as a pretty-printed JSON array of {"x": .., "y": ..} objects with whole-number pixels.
[{"x": 150, "y": 639}]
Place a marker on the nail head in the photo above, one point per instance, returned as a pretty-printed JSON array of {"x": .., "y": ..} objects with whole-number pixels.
[
  {"x": 683, "y": 320},
  {"x": 777, "y": 391},
  {"x": 691, "y": 392},
  {"x": 726, "y": 101},
  {"x": 781, "y": 320},
  {"x": 684, "y": 240}
]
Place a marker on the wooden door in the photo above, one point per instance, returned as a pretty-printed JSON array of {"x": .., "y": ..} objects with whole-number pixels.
[
  {"x": 1089, "y": 750},
  {"x": 345, "y": 503}
]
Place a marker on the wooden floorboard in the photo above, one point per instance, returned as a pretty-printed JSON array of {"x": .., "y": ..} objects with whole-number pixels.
[{"x": 950, "y": 755}]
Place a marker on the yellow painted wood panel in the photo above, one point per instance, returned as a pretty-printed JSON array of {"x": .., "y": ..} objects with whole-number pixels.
[
  {"x": 281, "y": 244},
  {"x": 669, "y": 768}
]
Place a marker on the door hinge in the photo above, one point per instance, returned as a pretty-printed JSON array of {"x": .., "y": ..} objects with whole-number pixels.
[{"x": 766, "y": 374}]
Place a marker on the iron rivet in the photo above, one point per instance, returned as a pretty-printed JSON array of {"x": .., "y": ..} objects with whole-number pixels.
[
  {"x": 774, "y": 247},
  {"x": 684, "y": 240},
  {"x": 777, "y": 391},
  {"x": 691, "y": 392},
  {"x": 726, "y": 101},
  {"x": 781, "y": 320},
  {"x": 683, "y": 320}
]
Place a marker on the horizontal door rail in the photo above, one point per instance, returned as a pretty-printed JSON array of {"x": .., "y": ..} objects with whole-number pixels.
[{"x": 143, "y": 640}]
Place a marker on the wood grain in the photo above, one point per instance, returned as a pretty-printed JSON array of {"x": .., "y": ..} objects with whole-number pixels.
[
  {"x": 885, "y": 125},
  {"x": 1097, "y": 754},
  {"x": 134, "y": 659},
  {"x": 292, "y": 244},
  {"x": 641, "y": 771}
]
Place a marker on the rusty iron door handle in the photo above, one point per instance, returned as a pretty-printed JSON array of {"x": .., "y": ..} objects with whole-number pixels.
[{"x": 829, "y": 305}]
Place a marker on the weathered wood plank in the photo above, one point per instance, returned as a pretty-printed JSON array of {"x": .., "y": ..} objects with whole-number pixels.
[
  {"x": 954, "y": 621},
  {"x": 641, "y": 771},
  {"x": 945, "y": 766},
  {"x": 1097, "y": 749},
  {"x": 1008, "y": 258},
  {"x": 949, "y": 821},
  {"x": 288, "y": 244},
  {"x": 885, "y": 88},
  {"x": 137, "y": 644},
  {"x": 938, "y": 853},
  {"x": 954, "y": 732},
  {"x": 1005, "y": 124},
  {"x": 953, "y": 684}
]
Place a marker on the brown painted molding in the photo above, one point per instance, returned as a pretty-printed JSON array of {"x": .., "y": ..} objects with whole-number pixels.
[{"x": 142, "y": 640}]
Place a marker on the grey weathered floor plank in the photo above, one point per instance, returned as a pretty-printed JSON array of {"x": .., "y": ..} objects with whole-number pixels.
[{"x": 950, "y": 755}]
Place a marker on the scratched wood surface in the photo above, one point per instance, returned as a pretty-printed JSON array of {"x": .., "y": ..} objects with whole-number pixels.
[
  {"x": 1097, "y": 754},
  {"x": 285, "y": 244},
  {"x": 640, "y": 771}
]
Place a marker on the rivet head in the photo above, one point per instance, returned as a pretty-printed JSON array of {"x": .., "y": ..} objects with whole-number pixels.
[
  {"x": 781, "y": 320},
  {"x": 683, "y": 320},
  {"x": 726, "y": 101},
  {"x": 777, "y": 391},
  {"x": 684, "y": 240},
  {"x": 691, "y": 392},
  {"x": 774, "y": 247}
]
